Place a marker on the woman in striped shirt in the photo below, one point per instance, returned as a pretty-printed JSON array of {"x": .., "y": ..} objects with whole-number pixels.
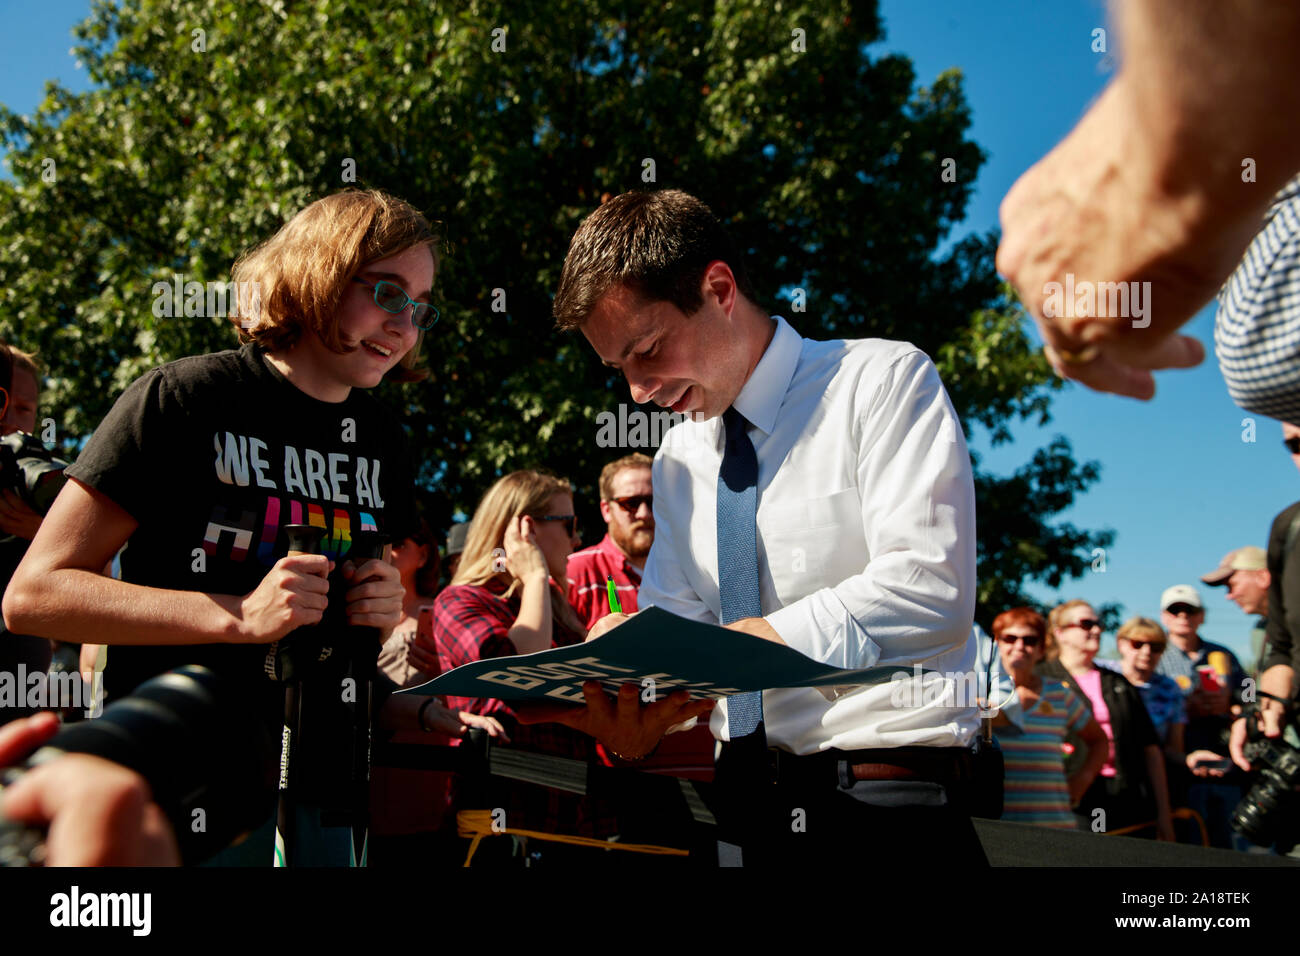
[{"x": 1035, "y": 787}]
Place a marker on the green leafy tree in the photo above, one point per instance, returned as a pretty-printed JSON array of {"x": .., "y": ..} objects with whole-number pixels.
[{"x": 210, "y": 123}]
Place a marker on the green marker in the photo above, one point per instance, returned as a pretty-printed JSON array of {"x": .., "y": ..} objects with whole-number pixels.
[{"x": 614, "y": 606}]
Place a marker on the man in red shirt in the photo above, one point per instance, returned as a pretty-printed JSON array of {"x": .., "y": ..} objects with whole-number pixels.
[{"x": 625, "y": 504}]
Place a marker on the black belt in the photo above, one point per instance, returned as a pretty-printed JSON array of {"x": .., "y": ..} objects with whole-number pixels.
[{"x": 943, "y": 765}]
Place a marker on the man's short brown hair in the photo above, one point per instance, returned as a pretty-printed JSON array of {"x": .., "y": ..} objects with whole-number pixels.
[
  {"x": 610, "y": 472},
  {"x": 658, "y": 244},
  {"x": 300, "y": 273}
]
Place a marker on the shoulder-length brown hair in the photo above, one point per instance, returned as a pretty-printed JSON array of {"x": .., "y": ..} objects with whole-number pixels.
[
  {"x": 299, "y": 274},
  {"x": 518, "y": 493}
]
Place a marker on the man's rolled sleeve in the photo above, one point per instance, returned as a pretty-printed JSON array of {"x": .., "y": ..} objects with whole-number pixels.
[{"x": 916, "y": 596}]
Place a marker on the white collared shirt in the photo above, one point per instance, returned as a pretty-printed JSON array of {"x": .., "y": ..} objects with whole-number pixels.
[{"x": 866, "y": 537}]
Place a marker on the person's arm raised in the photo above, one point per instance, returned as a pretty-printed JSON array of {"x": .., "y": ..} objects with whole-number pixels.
[
  {"x": 524, "y": 558},
  {"x": 59, "y": 592}
]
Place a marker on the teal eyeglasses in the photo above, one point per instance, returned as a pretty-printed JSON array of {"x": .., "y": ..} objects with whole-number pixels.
[{"x": 393, "y": 298}]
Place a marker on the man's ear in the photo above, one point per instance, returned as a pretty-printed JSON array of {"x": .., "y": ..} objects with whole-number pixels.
[
  {"x": 719, "y": 286},
  {"x": 605, "y": 510}
]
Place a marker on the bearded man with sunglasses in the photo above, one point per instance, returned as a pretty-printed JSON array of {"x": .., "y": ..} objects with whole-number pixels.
[{"x": 627, "y": 505}]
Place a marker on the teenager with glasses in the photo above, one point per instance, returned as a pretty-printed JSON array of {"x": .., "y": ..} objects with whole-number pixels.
[
  {"x": 202, "y": 462},
  {"x": 508, "y": 597},
  {"x": 1036, "y": 789},
  {"x": 1130, "y": 786}
]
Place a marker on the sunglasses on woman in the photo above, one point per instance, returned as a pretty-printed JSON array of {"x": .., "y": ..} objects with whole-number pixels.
[
  {"x": 570, "y": 522},
  {"x": 1157, "y": 647},
  {"x": 1029, "y": 640}
]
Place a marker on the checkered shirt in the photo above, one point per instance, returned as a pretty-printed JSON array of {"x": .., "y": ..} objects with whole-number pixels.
[{"x": 1257, "y": 329}]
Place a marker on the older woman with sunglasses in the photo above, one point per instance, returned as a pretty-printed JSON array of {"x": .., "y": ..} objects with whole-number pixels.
[
  {"x": 1130, "y": 787},
  {"x": 1141, "y": 646},
  {"x": 1035, "y": 787}
]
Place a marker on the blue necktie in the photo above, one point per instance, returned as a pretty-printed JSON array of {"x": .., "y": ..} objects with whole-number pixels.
[{"x": 738, "y": 553}]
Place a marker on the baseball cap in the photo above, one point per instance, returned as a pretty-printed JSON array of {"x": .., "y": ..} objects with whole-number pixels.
[
  {"x": 1249, "y": 558},
  {"x": 1180, "y": 594}
]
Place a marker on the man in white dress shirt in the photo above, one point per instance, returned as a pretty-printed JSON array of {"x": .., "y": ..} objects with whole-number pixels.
[{"x": 865, "y": 536}]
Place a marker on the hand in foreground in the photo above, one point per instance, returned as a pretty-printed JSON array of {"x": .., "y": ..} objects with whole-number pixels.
[
  {"x": 293, "y": 594},
  {"x": 97, "y": 813},
  {"x": 1094, "y": 208},
  {"x": 16, "y": 517},
  {"x": 376, "y": 595},
  {"x": 19, "y": 738},
  {"x": 628, "y": 730}
]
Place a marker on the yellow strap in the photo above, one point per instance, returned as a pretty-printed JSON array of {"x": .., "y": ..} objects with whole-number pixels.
[{"x": 476, "y": 824}]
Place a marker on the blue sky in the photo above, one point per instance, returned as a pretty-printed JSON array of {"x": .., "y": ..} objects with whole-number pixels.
[{"x": 1178, "y": 483}]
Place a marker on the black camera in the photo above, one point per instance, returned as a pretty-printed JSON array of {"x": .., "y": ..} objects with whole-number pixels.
[
  {"x": 30, "y": 471},
  {"x": 191, "y": 734},
  {"x": 1267, "y": 814}
]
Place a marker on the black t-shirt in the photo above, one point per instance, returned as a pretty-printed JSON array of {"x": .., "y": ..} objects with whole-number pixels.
[
  {"x": 1283, "y": 593},
  {"x": 213, "y": 455}
]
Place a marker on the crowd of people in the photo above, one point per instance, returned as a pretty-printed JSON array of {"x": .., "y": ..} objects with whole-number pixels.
[
  {"x": 1117, "y": 745},
  {"x": 819, "y": 496},
  {"x": 1107, "y": 745}
]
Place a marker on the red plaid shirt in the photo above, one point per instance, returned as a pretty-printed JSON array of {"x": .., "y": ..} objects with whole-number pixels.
[
  {"x": 471, "y": 623},
  {"x": 588, "y": 570}
]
